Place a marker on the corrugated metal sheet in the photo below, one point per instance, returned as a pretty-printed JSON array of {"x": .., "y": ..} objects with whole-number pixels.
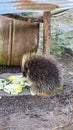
[{"x": 18, "y": 6}]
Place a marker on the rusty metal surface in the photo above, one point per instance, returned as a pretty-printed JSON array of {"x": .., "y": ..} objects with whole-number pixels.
[
  {"x": 25, "y": 39},
  {"x": 18, "y": 6},
  {"x": 16, "y": 38},
  {"x": 5, "y": 40},
  {"x": 31, "y": 5}
]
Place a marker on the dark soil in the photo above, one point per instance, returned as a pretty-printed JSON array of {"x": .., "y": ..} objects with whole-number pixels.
[
  {"x": 9, "y": 69},
  {"x": 26, "y": 112}
]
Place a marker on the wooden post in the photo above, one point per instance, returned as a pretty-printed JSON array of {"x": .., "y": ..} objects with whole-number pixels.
[{"x": 46, "y": 33}]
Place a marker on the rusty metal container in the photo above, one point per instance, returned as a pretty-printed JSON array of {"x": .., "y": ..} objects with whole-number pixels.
[{"x": 16, "y": 38}]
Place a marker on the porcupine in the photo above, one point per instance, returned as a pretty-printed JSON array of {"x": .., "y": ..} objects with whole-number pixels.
[{"x": 43, "y": 75}]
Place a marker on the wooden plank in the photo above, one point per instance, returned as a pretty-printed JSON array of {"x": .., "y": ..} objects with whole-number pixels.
[
  {"x": 46, "y": 33},
  {"x": 25, "y": 18}
]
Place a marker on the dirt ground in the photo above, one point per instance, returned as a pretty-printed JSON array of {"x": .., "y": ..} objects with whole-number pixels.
[{"x": 26, "y": 112}]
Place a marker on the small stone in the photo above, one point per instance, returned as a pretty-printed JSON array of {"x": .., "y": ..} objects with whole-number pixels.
[{"x": 0, "y": 97}]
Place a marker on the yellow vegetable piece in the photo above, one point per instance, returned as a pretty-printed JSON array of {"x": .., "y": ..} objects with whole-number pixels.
[
  {"x": 11, "y": 78},
  {"x": 18, "y": 88},
  {"x": 24, "y": 79}
]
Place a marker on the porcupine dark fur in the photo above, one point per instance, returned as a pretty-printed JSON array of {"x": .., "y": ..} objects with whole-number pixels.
[{"x": 43, "y": 74}]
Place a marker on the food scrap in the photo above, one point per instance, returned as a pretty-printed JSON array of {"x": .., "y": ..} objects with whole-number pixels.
[{"x": 13, "y": 84}]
